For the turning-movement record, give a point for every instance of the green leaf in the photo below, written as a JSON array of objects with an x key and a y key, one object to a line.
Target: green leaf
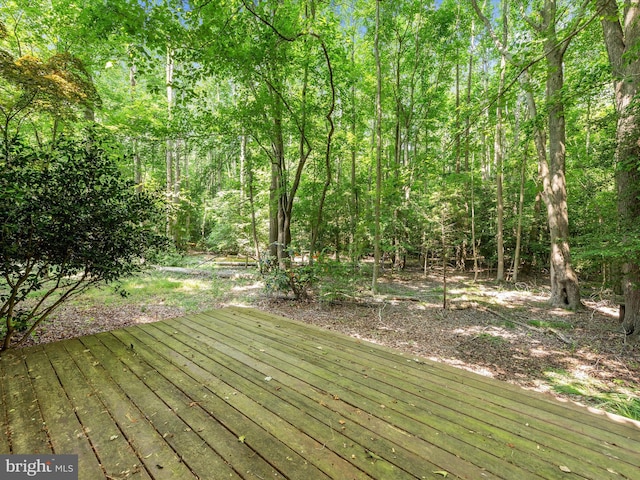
[{"x": 372, "y": 455}]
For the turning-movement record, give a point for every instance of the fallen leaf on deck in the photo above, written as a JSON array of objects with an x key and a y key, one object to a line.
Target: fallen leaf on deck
[
  {"x": 370, "y": 454},
  {"x": 241, "y": 438},
  {"x": 441, "y": 472},
  {"x": 565, "y": 469}
]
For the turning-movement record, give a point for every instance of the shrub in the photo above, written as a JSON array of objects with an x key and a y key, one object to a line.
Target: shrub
[{"x": 68, "y": 220}]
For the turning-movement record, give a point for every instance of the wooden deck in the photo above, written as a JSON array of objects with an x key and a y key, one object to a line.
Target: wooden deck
[{"x": 237, "y": 393}]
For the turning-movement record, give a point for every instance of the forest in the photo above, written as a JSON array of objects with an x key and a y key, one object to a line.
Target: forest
[{"x": 498, "y": 136}]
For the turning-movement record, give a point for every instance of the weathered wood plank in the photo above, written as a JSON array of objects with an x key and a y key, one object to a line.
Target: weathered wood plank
[
  {"x": 224, "y": 383},
  {"x": 183, "y": 439},
  {"x": 363, "y": 391},
  {"x": 363, "y": 431},
  {"x": 237, "y": 393},
  {"x": 518, "y": 423},
  {"x": 65, "y": 431},
  {"x": 556, "y": 446},
  {"x": 425, "y": 369},
  {"x": 212, "y": 436},
  {"x": 227, "y": 430},
  {"x": 26, "y": 425},
  {"x": 309, "y": 417},
  {"x": 160, "y": 461},
  {"x": 178, "y": 391},
  {"x": 114, "y": 453}
]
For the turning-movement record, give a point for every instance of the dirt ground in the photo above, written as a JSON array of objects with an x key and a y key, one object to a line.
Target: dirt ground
[{"x": 504, "y": 331}]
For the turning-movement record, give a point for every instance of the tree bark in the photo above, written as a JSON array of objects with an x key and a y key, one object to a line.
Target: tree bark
[
  {"x": 169, "y": 144},
  {"x": 377, "y": 232},
  {"x": 327, "y": 154},
  {"x": 622, "y": 36},
  {"x": 516, "y": 258},
  {"x": 564, "y": 281},
  {"x": 565, "y": 291},
  {"x": 499, "y": 149}
]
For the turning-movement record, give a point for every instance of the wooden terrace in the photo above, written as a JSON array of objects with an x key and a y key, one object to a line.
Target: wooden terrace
[{"x": 238, "y": 393}]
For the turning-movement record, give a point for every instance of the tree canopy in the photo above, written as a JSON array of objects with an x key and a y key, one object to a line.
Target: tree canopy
[{"x": 458, "y": 134}]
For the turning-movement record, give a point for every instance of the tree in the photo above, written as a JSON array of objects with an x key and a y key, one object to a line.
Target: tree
[
  {"x": 621, "y": 28},
  {"x": 565, "y": 291},
  {"x": 30, "y": 86},
  {"x": 69, "y": 220},
  {"x": 378, "y": 136}
]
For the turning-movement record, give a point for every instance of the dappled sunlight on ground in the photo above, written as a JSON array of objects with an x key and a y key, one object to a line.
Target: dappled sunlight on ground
[
  {"x": 194, "y": 285},
  {"x": 248, "y": 288}
]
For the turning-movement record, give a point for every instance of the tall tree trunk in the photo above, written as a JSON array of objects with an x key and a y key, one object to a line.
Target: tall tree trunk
[
  {"x": 622, "y": 39},
  {"x": 474, "y": 245},
  {"x": 467, "y": 119},
  {"x": 516, "y": 257},
  {"x": 354, "y": 211},
  {"x": 277, "y": 188},
  {"x": 397, "y": 155},
  {"x": 564, "y": 281},
  {"x": 327, "y": 154},
  {"x": 254, "y": 223},
  {"x": 378, "y": 193},
  {"x": 169, "y": 144},
  {"x": 499, "y": 151}
]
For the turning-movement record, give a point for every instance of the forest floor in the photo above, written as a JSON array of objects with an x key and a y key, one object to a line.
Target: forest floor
[{"x": 504, "y": 331}]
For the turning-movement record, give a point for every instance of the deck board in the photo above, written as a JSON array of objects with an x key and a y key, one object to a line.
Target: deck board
[{"x": 239, "y": 393}]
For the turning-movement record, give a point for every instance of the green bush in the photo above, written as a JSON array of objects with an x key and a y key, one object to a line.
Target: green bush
[
  {"x": 68, "y": 220},
  {"x": 292, "y": 279}
]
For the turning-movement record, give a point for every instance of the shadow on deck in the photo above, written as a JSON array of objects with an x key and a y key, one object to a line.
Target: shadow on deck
[{"x": 238, "y": 393}]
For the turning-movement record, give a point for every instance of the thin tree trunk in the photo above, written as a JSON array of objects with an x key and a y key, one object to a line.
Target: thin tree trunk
[
  {"x": 243, "y": 162},
  {"x": 467, "y": 128},
  {"x": 354, "y": 204},
  {"x": 169, "y": 144},
  {"x": 254, "y": 223},
  {"x": 327, "y": 156},
  {"x": 499, "y": 156},
  {"x": 473, "y": 223},
  {"x": 378, "y": 193},
  {"x": 516, "y": 258}
]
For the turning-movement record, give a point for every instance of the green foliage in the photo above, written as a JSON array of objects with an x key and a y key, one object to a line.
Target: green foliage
[
  {"x": 294, "y": 279},
  {"x": 621, "y": 404},
  {"x": 69, "y": 220},
  {"x": 339, "y": 281},
  {"x": 225, "y": 227},
  {"x": 620, "y": 401},
  {"x": 251, "y": 96},
  {"x": 560, "y": 325},
  {"x": 30, "y": 85}
]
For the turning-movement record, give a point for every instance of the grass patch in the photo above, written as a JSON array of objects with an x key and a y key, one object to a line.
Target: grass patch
[
  {"x": 492, "y": 339},
  {"x": 621, "y": 404},
  {"x": 189, "y": 293},
  {"x": 596, "y": 393},
  {"x": 557, "y": 324}
]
